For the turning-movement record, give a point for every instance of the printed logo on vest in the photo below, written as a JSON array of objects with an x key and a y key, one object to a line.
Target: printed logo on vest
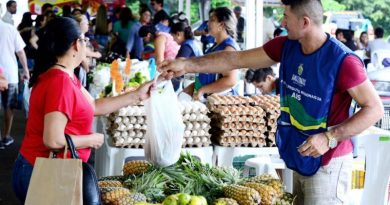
[{"x": 297, "y": 79}]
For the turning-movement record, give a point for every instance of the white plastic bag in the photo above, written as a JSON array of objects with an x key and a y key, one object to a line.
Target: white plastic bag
[
  {"x": 26, "y": 98},
  {"x": 165, "y": 132}
]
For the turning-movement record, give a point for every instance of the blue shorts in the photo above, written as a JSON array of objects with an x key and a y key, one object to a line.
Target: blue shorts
[{"x": 9, "y": 97}]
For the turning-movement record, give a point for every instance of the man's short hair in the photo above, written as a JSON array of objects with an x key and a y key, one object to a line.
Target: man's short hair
[
  {"x": 46, "y": 6},
  {"x": 310, "y": 8},
  {"x": 379, "y": 32},
  {"x": 9, "y": 3},
  {"x": 159, "y": 2}
]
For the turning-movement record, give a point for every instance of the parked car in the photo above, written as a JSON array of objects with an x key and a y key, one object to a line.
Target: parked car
[{"x": 349, "y": 20}]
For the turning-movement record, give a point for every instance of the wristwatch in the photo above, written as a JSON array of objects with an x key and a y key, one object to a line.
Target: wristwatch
[{"x": 332, "y": 142}]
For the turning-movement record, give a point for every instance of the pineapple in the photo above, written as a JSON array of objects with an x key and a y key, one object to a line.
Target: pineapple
[
  {"x": 136, "y": 167},
  {"x": 286, "y": 199},
  {"x": 267, "y": 193},
  {"x": 262, "y": 177},
  {"x": 243, "y": 195},
  {"x": 115, "y": 178},
  {"x": 110, "y": 194},
  {"x": 277, "y": 185},
  {"x": 110, "y": 183},
  {"x": 130, "y": 199},
  {"x": 225, "y": 201}
]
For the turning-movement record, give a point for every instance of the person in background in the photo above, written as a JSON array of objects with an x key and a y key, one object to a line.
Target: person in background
[
  {"x": 122, "y": 27},
  {"x": 40, "y": 18},
  {"x": 349, "y": 42},
  {"x": 240, "y": 24},
  {"x": 222, "y": 26},
  {"x": 378, "y": 43},
  {"x": 206, "y": 39},
  {"x": 37, "y": 31},
  {"x": 340, "y": 35},
  {"x": 362, "y": 44},
  {"x": 183, "y": 35},
  {"x": 162, "y": 19},
  {"x": 11, "y": 43},
  {"x": 83, "y": 69},
  {"x": 263, "y": 79},
  {"x": 66, "y": 11},
  {"x": 25, "y": 29},
  {"x": 68, "y": 107},
  {"x": 319, "y": 76},
  {"x": 76, "y": 11},
  {"x": 158, "y": 7},
  {"x": 135, "y": 44},
  {"x": 165, "y": 48},
  {"x": 11, "y": 10},
  {"x": 101, "y": 28}
]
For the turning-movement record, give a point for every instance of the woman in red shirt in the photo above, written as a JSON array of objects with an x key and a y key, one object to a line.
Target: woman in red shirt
[{"x": 59, "y": 104}]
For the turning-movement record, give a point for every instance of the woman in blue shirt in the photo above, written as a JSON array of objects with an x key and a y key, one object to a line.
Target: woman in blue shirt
[
  {"x": 183, "y": 35},
  {"x": 222, "y": 26}
]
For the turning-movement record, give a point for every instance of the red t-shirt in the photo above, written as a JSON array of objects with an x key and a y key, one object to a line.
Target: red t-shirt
[
  {"x": 351, "y": 74},
  {"x": 56, "y": 91}
]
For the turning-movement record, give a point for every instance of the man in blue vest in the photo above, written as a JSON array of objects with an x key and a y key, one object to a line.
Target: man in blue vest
[{"x": 319, "y": 77}]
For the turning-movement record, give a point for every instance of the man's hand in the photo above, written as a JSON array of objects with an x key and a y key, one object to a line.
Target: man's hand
[
  {"x": 3, "y": 83},
  {"x": 315, "y": 146},
  {"x": 26, "y": 74},
  {"x": 172, "y": 68}
]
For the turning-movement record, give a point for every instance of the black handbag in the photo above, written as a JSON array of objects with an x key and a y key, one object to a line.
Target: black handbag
[{"x": 91, "y": 193}]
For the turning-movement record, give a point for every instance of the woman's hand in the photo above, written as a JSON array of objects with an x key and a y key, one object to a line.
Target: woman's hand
[
  {"x": 96, "y": 140},
  {"x": 143, "y": 92}
]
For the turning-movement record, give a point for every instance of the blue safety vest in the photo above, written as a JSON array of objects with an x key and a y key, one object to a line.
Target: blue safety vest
[
  {"x": 203, "y": 79},
  {"x": 195, "y": 48},
  {"x": 307, "y": 83}
]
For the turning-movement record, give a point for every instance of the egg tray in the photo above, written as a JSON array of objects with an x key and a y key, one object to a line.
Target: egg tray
[{"x": 229, "y": 100}]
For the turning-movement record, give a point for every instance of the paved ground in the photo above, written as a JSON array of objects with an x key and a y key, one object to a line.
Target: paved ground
[{"x": 7, "y": 157}]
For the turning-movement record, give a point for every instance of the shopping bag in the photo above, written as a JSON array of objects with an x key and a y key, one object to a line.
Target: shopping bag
[
  {"x": 26, "y": 98},
  {"x": 164, "y": 135},
  {"x": 55, "y": 181}
]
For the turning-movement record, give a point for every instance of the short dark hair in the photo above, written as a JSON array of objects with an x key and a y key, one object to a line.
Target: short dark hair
[
  {"x": 57, "y": 38},
  {"x": 310, "y": 8},
  {"x": 159, "y": 2},
  {"x": 258, "y": 75},
  {"x": 277, "y": 32},
  {"x": 145, "y": 30},
  {"x": 182, "y": 27},
  {"x": 379, "y": 32},
  {"x": 46, "y": 6},
  {"x": 9, "y": 3},
  {"x": 160, "y": 16}
]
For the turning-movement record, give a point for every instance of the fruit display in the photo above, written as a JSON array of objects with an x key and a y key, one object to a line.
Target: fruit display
[
  {"x": 271, "y": 105},
  {"x": 189, "y": 182},
  {"x": 197, "y": 124},
  {"x": 236, "y": 122},
  {"x": 127, "y": 126}
]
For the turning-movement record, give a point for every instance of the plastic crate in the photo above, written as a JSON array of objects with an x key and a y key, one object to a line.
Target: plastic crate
[
  {"x": 239, "y": 163},
  {"x": 384, "y": 123}
]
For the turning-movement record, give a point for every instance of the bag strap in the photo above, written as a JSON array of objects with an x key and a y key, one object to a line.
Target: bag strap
[{"x": 72, "y": 148}]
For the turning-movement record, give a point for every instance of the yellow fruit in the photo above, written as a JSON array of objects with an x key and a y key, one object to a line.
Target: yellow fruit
[
  {"x": 277, "y": 185},
  {"x": 109, "y": 183},
  {"x": 111, "y": 194},
  {"x": 225, "y": 201},
  {"x": 195, "y": 200},
  {"x": 183, "y": 198},
  {"x": 131, "y": 199},
  {"x": 267, "y": 193},
  {"x": 136, "y": 167},
  {"x": 170, "y": 200},
  {"x": 243, "y": 195}
]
